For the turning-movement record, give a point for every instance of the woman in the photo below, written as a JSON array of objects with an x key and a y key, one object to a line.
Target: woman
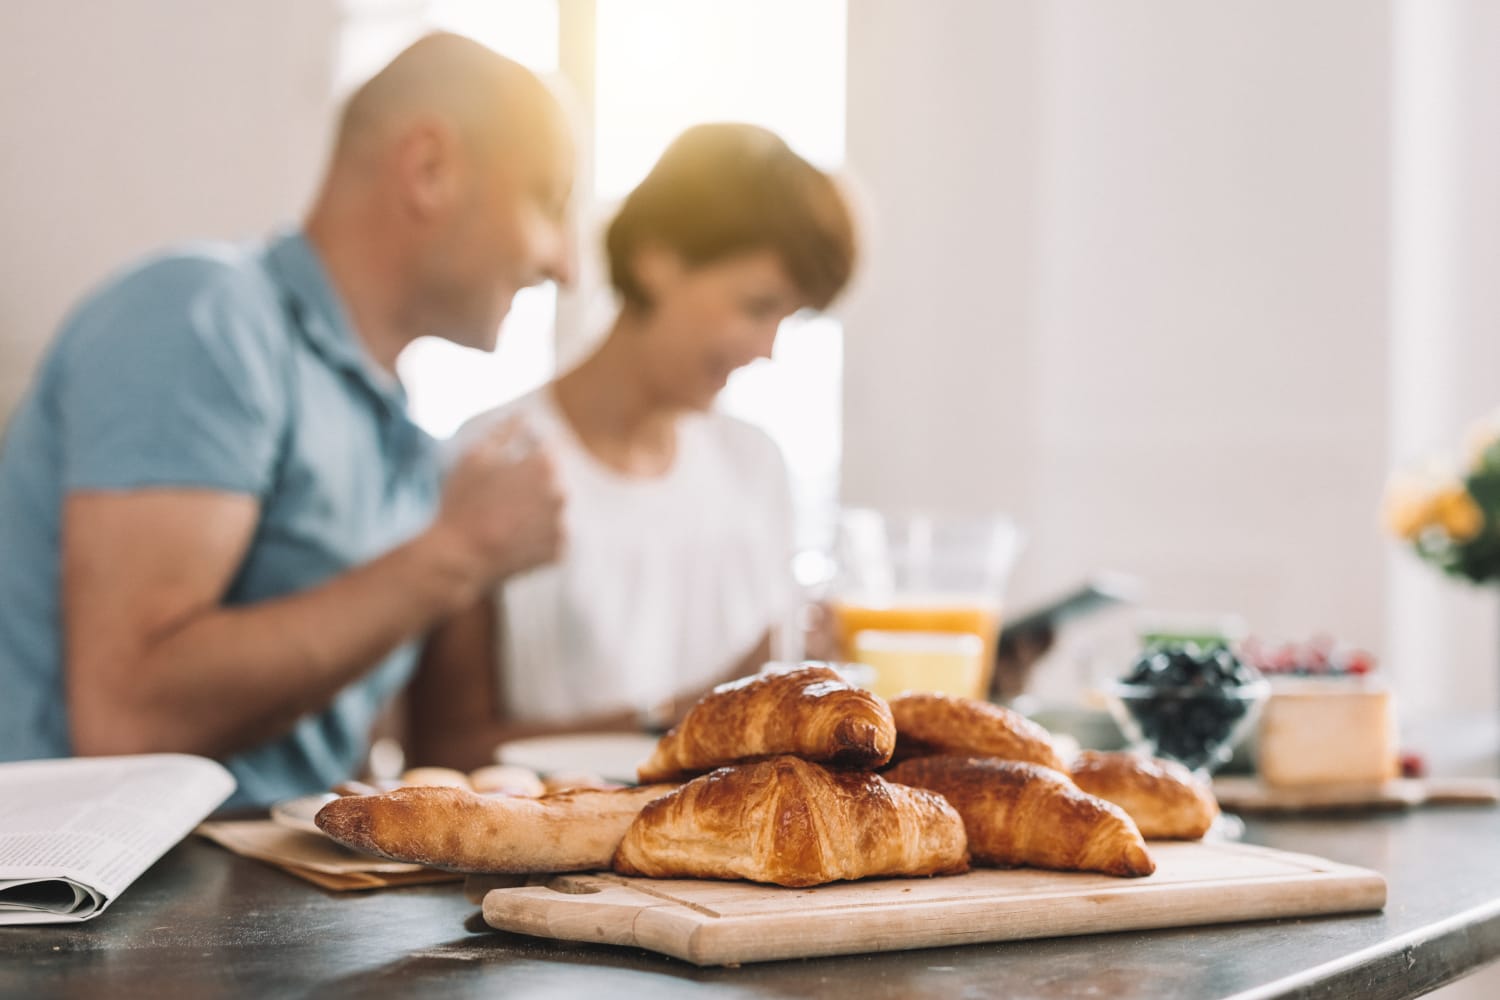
[{"x": 677, "y": 561}]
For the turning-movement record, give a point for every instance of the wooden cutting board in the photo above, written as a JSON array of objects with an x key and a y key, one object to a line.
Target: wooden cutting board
[
  {"x": 726, "y": 923},
  {"x": 1250, "y": 795}
]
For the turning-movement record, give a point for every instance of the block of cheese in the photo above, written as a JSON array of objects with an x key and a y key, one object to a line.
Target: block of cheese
[{"x": 1327, "y": 732}]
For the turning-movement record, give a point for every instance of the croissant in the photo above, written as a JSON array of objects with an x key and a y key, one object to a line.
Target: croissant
[
  {"x": 793, "y": 823},
  {"x": 1162, "y": 796},
  {"x": 461, "y": 831},
  {"x": 931, "y": 723},
  {"x": 810, "y": 712},
  {"x": 1022, "y": 814}
]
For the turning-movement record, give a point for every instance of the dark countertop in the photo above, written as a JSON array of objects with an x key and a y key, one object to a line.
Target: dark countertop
[{"x": 204, "y": 922}]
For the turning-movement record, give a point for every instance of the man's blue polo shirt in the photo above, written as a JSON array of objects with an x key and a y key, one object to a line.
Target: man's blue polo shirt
[{"x": 230, "y": 368}]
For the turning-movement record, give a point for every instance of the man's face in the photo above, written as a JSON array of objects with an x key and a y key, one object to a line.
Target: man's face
[
  {"x": 508, "y": 231},
  {"x": 707, "y": 322}
]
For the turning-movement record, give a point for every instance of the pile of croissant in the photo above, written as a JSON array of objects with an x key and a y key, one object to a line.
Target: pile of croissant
[{"x": 774, "y": 779}]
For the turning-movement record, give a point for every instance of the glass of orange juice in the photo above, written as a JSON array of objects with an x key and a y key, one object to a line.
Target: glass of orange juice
[
  {"x": 924, "y": 575},
  {"x": 951, "y": 662}
]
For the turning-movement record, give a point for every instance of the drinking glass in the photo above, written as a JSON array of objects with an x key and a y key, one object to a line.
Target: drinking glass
[{"x": 905, "y": 585}]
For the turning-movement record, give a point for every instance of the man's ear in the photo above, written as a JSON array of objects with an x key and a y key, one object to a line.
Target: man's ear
[{"x": 428, "y": 165}]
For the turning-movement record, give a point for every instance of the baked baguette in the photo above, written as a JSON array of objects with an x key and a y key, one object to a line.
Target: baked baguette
[
  {"x": 932, "y": 723},
  {"x": 1162, "y": 796},
  {"x": 811, "y": 712},
  {"x": 1023, "y": 814},
  {"x": 790, "y": 822},
  {"x": 464, "y": 832}
]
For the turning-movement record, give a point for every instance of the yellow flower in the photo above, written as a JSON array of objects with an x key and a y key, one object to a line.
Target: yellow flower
[
  {"x": 1406, "y": 516},
  {"x": 1458, "y": 514},
  {"x": 1415, "y": 506},
  {"x": 1409, "y": 506}
]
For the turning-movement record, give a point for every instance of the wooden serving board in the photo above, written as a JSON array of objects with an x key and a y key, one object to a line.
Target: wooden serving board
[
  {"x": 726, "y": 923},
  {"x": 1249, "y": 794}
]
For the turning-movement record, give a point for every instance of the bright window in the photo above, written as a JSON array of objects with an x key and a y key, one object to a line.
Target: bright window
[
  {"x": 663, "y": 65},
  {"x": 447, "y": 384},
  {"x": 524, "y": 30}
]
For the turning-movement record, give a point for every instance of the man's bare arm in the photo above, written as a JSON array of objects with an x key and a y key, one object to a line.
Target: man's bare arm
[{"x": 155, "y": 662}]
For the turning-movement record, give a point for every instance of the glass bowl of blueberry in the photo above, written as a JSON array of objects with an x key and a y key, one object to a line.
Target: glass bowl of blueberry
[{"x": 1188, "y": 702}]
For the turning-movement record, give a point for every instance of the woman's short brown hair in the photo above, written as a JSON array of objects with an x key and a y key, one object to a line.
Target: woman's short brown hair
[{"x": 725, "y": 189}]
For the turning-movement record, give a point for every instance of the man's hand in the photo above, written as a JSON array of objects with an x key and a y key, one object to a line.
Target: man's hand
[{"x": 502, "y": 504}]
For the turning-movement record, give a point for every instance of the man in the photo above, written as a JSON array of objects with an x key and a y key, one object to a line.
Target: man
[{"x": 219, "y": 531}]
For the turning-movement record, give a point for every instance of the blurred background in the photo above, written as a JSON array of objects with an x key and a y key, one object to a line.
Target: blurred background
[{"x": 1178, "y": 285}]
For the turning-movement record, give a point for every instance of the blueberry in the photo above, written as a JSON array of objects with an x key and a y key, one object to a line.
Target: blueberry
[
  {"x": 1242, "y": 674},
  {"x": 1192, "y": 712},
  {"x": 1149, "y": 669},
  {"x": 1225, "y": 666},
  {"x": 1181, "y": 671}
]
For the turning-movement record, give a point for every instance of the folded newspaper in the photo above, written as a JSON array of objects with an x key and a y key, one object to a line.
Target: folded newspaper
[{"x": 74, "y": 833}]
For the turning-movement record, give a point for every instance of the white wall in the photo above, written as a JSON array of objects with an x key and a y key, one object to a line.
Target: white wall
[
  {"x": 1133, "y": 282},
  {"x": 1214, "y": 308},
  {"x": 131, "y": 125},
  {"x": 943, "y": 136}
]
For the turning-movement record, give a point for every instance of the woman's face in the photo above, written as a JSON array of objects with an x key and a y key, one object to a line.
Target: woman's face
[{"x": 708, "y": 321}]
